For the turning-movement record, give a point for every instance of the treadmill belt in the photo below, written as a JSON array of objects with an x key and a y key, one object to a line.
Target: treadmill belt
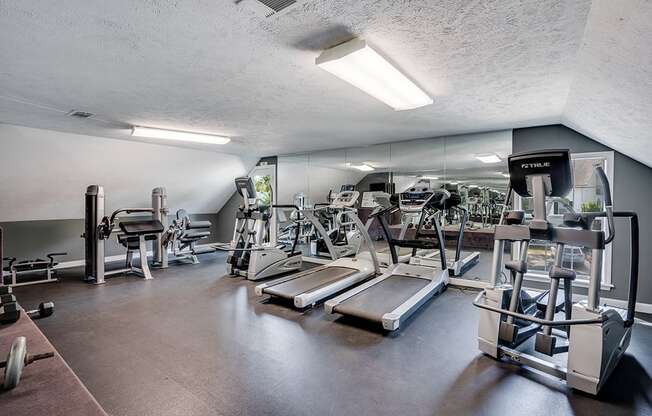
[
  {"x": 309, "y": 282},
  {"x": 381, "y": 298}
]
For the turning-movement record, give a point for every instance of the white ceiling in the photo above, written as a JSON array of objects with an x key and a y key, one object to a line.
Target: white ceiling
[
  {"x": 217, "y": 66},
  {"x": 610, "y": 98}
]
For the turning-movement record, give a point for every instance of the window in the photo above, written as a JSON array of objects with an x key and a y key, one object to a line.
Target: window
[{"x": 586, "y": 196}]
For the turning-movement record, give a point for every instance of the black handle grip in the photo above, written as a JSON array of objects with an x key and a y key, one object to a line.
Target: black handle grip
[{"x": 604, "y": 182}]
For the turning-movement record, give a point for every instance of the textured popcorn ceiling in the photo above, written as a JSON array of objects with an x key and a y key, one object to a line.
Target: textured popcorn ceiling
[
  {"x": 610, "y": 98},
  {"x": 220, "y": 67}
]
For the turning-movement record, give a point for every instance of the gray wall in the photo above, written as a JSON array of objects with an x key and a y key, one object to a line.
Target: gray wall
[
  {"x": 631, "y": 191},
  {"x": 225, "y": 219},
  {"x": 32, "y": 239}
]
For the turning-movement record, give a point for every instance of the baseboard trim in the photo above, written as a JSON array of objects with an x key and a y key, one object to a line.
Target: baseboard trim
[
  {"x": 109, "y": 259},
  {"x": 640, "y": 306}
]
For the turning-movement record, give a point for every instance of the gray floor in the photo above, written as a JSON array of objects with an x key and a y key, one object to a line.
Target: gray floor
[{"x": 192, "y": 342}]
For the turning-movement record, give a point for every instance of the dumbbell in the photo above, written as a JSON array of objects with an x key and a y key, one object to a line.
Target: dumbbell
[
  {"x": 17, "y": 360},
  {"x": 10, "y": 312}
]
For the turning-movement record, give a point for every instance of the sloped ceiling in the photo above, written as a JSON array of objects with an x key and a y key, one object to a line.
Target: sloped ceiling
[
  {"x": 218, "y": 66},
  {"x": 610, "y": 98}
]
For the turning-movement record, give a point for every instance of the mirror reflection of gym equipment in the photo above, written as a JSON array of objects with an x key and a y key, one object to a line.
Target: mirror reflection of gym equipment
[{"x": 309, "y": 207}]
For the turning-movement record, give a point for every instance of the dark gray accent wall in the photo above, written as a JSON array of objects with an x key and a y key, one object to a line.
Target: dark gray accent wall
[
  {"x": 631, "y": 191},
  {"x": 225, "y": 219},
  {"x": 32, "y": 239}
]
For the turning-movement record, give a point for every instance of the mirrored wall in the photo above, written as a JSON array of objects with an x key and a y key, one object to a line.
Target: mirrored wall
[{"x": 473, "y": 166}]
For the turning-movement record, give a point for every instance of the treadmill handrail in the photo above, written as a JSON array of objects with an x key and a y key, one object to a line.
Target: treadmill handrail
[
  {"x": 434, "y": 214},
  {"x": 295, "y": 241},
  {"x": 389, "y": 210},
  {"x": 309, "y": 215},
  {"x": 367, "y": 238},
  {"x": 460, "y": 235}
]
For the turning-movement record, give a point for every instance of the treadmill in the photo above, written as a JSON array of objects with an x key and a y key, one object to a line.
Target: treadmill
[
  {"x": 391, "y": 298},
  {"x": 306, "y": 288},
  {"x": 463, "y": 261},
  {"x": 383, "y": 201}
]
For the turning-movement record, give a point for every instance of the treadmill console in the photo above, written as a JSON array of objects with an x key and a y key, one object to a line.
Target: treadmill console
[
  {"x": 345, "y": 199},
  {"x": 415, "y": 199}
]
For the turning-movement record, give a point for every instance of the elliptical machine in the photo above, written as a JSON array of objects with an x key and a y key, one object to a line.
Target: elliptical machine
[
  {"x": 341, "y": 231},
  {"x": 251, "y": 255},
  {"x": 594, "y": 336}
]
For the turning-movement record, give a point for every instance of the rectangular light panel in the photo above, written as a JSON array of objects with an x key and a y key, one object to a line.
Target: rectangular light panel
[
  {"x": 358, "y": 64},
  {"x": 183, "y": 136},
  {"x": 488, "y": 158},
  {"x": 363, "y": 167}
]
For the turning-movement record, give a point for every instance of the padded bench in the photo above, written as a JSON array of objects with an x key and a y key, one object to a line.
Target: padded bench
[{"x": 135, "y": 235}]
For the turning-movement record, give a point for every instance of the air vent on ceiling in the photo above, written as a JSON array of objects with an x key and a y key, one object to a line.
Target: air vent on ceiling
[
  {"x": 268, "y": 8},
  {"x": 80, "y": 114}
]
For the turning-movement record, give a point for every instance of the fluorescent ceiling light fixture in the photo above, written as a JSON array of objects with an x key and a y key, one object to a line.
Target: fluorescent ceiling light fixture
[
  {"x": 358, "y": 64},
  {"x": 488, "y": 158},
  {"x": 184, "y": 136},
  {"x": 363, "y": 167},
  {"x": 434, "y": 178},
  {"x": 453, "y": 183}
]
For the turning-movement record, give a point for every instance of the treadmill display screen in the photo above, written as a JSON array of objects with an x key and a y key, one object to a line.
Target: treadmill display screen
[{"x": 415, "y": 199}]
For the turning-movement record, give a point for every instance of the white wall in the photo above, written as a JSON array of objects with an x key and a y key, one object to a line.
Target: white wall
[{"x": 45, "y": 174}]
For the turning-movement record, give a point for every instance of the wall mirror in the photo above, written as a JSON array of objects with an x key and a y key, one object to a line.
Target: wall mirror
[{"x": 478, "y": 180}]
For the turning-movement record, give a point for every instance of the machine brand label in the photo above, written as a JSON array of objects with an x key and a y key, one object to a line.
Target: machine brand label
[{"x": 535, "y": 165}]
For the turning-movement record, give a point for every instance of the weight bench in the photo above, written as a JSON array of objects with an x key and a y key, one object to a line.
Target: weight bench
[
  {"x": 14, "y": 268},
  {"x": 183, "y": 234},
  {"x": 134, "y": 237}
]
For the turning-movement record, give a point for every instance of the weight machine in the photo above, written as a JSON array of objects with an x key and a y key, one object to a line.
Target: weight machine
[{"x": 135, "y": 233}]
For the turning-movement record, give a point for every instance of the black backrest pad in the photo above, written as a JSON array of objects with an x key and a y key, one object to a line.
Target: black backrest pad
[
  {"x": 555, "y": 163},
  {"x": 141, "y": 227}
]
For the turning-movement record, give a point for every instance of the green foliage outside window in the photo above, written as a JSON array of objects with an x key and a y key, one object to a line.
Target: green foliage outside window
[
  {"x": 591, "y": 206},
  {"x": 264, "y": 189}
]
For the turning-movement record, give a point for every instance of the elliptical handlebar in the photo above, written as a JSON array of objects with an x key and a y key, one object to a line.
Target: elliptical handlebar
[{"x": 606, "y": 189}]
